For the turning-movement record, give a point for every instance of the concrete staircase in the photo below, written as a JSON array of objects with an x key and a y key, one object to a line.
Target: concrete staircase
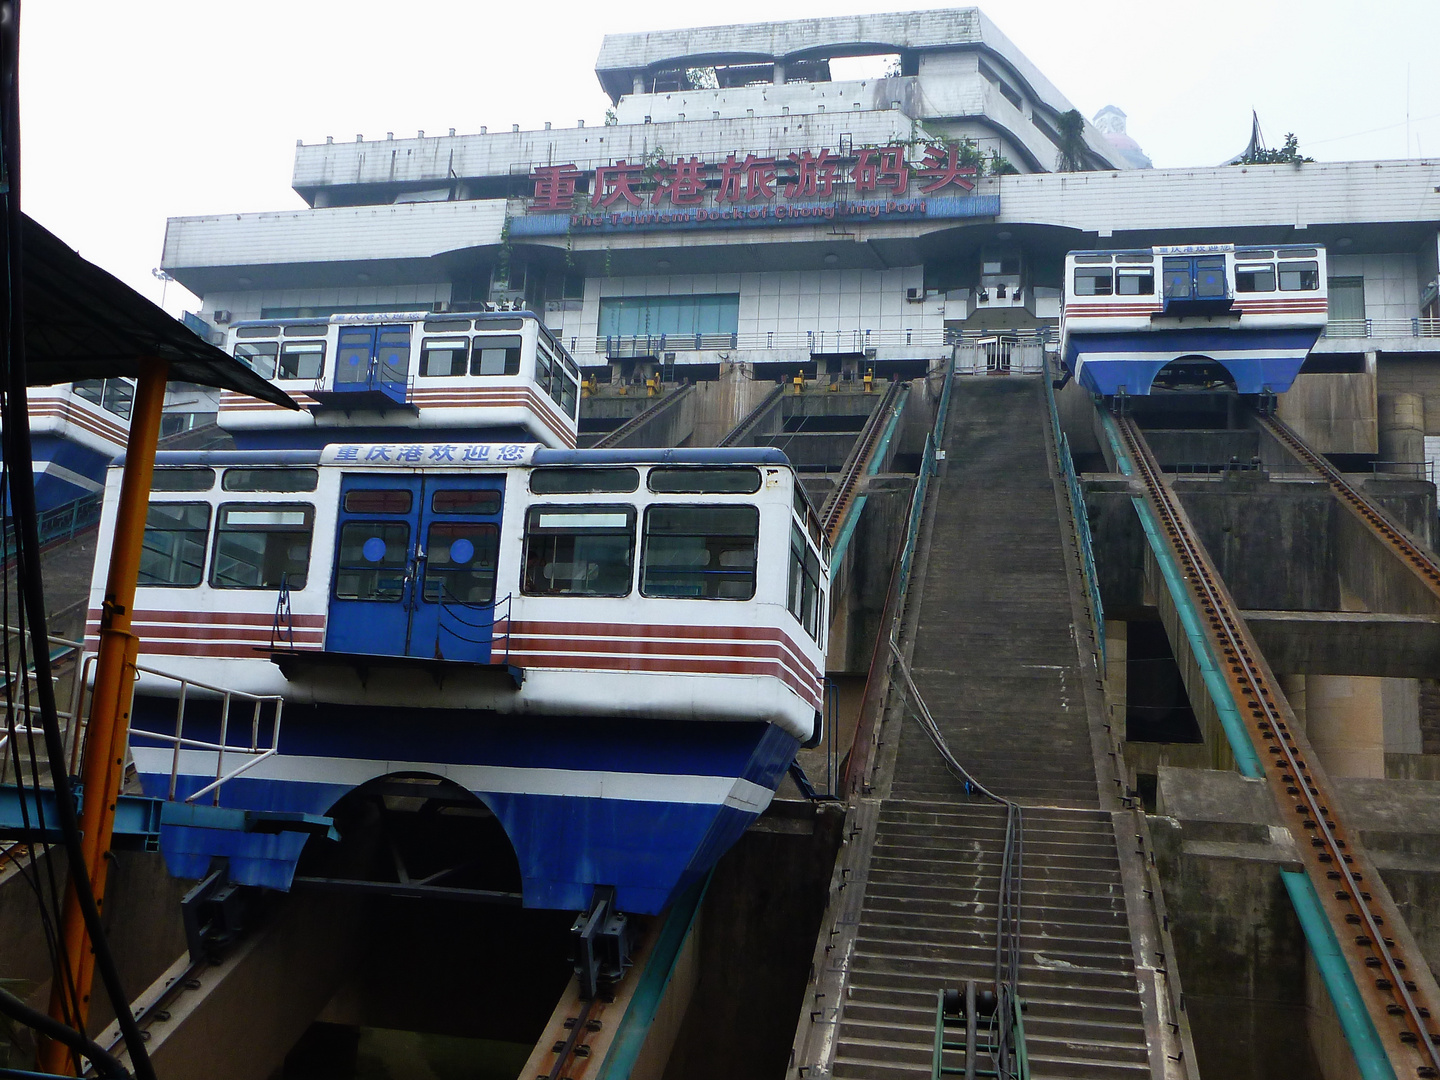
[{"x": 996, "y": 659}]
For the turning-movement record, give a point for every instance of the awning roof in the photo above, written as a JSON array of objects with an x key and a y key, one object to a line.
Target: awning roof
[{"x": 83, "y": 323}]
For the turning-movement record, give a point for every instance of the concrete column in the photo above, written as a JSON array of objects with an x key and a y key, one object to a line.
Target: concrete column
[
  {"x": 638, "y": 82},
  {"x": 779, "y": 72},
  {"x": 1402, "y": 427},
  {"x": 1345, "y": 720},
  {"x": 1293, "y": 687}
]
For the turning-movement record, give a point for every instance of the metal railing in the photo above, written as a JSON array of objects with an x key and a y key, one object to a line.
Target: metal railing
[
  {"x": 255, "y": 750},
  {"x": 999, "y": 356},
  {"x": 14, "y": 684},
  {"x": 61, "y": 522},
  {"x": 818, "y": 342},
  {"x": 1382, "y": 328},
  {"x": 1079, "y": 516}
]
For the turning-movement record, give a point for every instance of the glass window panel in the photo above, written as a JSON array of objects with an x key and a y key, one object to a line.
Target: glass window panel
[
  {"x": 797, "y": 569},
  {"x": 1298, "y": 253},
  {"x": 1135, "y": 282},
  {"x": 566, "y": 481},
  {"x": 1255, "y": 278},
  {"x": 1299, "y": 276},
  {"x": 259, "y": 356},
  {"x": 441, "y": 358},
  {"x": 447, "y": 325},
  {"x": 257, "y": 331},
  {"x": 90, "y": 389},
  {"x": 270, "y": 479},
  {"x": 1251, "y": 254},
  {"x": 379, "y": 501},
  {"x": 741, "y": 481},
  {"x": 496, "y": 355},
  {"x": 466, "y": 501},
  {"x": 119, "y": 396},
  {"x": 1092, "y": 282},
  {"x": 655, "y": 315},
  {"x": 1346, "y": 298},
  {"x": 302, "y": 359},
  {"x": 187, "y": 478},
  {"x": 372, "y": 560},
  {"x": 460, "y": 562},
  {"x": 1082, "y": 259},
  {"x": 579, "y": 551},
  {"x": 700, "y": 552},
  {"x": 262, "y": 545},
  {"x": 317, "y": 330},
  {"x": 173, "y": 549}
]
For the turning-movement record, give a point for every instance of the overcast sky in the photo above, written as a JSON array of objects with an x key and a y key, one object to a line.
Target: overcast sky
[{"x": 135, "y": 112}]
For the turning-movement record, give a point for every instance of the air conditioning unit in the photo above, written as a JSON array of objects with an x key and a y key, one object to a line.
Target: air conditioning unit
[
  {"x": 913, "y": 295},
  {"x": 439, "y": 306},
  {"x": 220, "y": 317}
]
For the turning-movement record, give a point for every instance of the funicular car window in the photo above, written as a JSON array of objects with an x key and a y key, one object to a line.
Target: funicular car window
[
  {"x": 1299, "y": 276},
  {"x": 465, "y": 501},
  {"x": 182, "y": 478},
  {"x": 562, "y": 480},
  {"x": 173, "y": 549},
  {"x": 259, "y": 356},
  {"x": 443, "y": 357},
  {"x": 700, "y": 552},
  {"x": 804, "y": 598},
  {"x": 270, "y": 479},
  {"x": 460, "y": 562},
  {"x": 1135, "y": 281},
  {"x": 262, "y": 545},
  {"x": 302, "y": 360},
  {"x": 579, "y": 550},
  {"x": 1093, "y": 281},
  {"x": 1255, "y": 277},
  {"x": 493, "y": 355},
  {"x": 372, "y": 559},
  {"x": 737, "y": 481},
  {"x": 379, "y": 501}
]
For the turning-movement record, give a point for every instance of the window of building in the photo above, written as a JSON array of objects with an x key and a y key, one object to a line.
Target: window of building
[
  {"x": 1346, "y": 298},
  {"x": 628, "y": 316},
  {"x": 741, "y": 481},
  {"x": 1254, "y": 277},
  {"x": 372, "y": 559},
  {"x": 460, "y": 562},
  {"x": 262, "y": 545},
  {"x": 443, "y": 357},
  {"x": 302, "y": 360},
  {"x": 804, "y": 599},
  {"x": 173, "y": 549},
  {"x": 1299, "y": 276},
  {"x": 270, "y": 479},
  {"x": 1135, "y": 281},
  {"x": 579, "y": 550},
  {"x": 496, "y": 355},
  {"x": 182, "y": 478},
  {"x": 567, "y": 481},
  {"x": 700, "y": 552},
  {"x": 1093, "y": 281},
  {"x": 258, "y": 356}
]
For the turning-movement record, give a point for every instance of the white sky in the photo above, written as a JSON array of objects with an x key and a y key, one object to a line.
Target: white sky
[{"x": 135, "y": 112}]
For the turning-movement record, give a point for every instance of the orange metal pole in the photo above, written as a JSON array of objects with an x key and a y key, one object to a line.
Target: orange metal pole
[{"x": 108, "y": 731}]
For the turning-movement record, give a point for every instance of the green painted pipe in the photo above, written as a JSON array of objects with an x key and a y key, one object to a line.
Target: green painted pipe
[
  {"x": 654, "y": 981},
  {"x": 1246, "y": 760},
  {"x": 1354, "y": 1018}
]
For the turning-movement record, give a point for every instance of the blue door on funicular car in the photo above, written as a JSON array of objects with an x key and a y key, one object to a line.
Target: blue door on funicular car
[
  {"x": 374, "y": 358},
  {"x": 415, "y": 567}
]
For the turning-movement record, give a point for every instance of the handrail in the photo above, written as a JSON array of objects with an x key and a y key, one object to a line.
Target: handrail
[
  {"x": 66, "y": 716},
  {"x": 1079, "y": 517}
]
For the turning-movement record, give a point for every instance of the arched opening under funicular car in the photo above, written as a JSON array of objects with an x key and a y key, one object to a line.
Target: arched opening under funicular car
[
  {"x": 416, "y": 834},
  {"x": 1192, "y": 374}
]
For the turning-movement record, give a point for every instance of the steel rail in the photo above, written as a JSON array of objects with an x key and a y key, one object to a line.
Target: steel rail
[
  {"x": 1419, "y": 560},
  {"x": 832, "y": 516},
  {"x": 1320, "y": 836}
]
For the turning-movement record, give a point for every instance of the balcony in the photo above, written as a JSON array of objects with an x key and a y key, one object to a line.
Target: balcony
[
  {"x": 1383, "y": 328},
  {"x": 814, "y": 342}
]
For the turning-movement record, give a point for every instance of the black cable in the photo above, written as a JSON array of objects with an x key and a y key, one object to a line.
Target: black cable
[
  {"x": 106, "y": 1064},
  {"x": 19, "y": 460}
]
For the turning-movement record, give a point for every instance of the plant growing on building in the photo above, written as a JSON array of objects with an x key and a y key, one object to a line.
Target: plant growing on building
[
  {"x": 1071, "y": 126},
  {"x": 999, "y": 165},
  {"x": 1289, "y": 154},
  {"x": 610, "y": 118},
  {"x": 701, "y": 79}
]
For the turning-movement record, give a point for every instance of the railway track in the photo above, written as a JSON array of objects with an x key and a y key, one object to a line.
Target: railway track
[
  {"x": 1419, "y": 560},
  {"x": 832, "y": 516},
  {"x": 1354, "y": 899}
]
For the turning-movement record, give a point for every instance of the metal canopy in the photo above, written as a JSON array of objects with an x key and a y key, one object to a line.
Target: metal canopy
[{"x": 83, "y": 323}]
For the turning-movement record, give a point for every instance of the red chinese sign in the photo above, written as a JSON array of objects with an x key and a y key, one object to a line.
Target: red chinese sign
[{"x": 882, "y": 171}]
